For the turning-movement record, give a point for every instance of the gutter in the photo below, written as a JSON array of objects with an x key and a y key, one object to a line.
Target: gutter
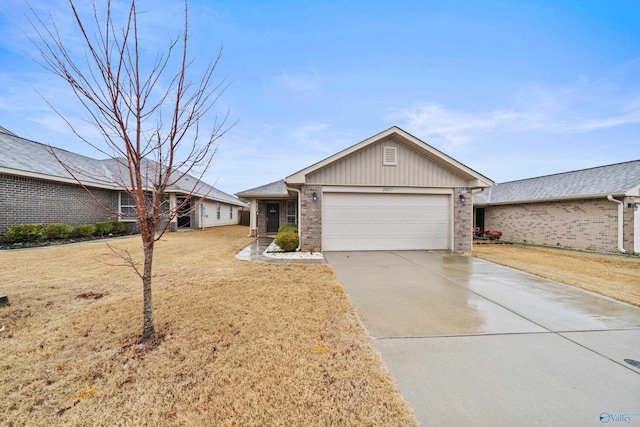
[{"x": 620, "y": 223}]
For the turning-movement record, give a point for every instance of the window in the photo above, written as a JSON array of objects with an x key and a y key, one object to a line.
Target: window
[
  {"x": 390, "y": 156},
  {"x": 291, "y": 212},
  {"x": 230, "y": 212},
  {"x": 218, "y": 210},
  {"x": 127, "y": 206}
]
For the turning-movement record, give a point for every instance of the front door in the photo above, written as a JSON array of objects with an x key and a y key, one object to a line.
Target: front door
[
  {"x": 184, "y": 214},
  {"x": 273, "y": 217}
]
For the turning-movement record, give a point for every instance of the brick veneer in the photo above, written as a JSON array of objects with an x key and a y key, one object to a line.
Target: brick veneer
[
  {"x": 25, "y": 200},
  {"x": 462, "y": 220},
  {"x": 311, "y": 218},
  {"x": 583, "y": 224}
]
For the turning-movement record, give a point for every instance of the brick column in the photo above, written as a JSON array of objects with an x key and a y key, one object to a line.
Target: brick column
[
  {"x": 311, "y": 218},
  {"x": 462, "y": 220}
]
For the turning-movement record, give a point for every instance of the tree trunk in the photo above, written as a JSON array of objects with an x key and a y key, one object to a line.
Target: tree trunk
[{"x": 148, "y": 331}]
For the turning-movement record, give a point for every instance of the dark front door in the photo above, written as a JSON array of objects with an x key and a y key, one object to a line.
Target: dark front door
[
  {"x": 184, "y": 214},
  {"x": 273, "y": 217},
  {"x": 480, "y": 218}
]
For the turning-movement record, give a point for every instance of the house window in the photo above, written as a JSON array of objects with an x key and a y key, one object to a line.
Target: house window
[
  {"x": 390, "y": 156},
  {"x": 127, "y": 206},
  {"x": 291, "y": 212},
  {"x": 230, "y": 212},
  {"x": 218, "y": 210}
]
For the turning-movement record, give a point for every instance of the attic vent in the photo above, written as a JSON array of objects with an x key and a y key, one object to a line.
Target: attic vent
[{"x": 390, "y": 156}]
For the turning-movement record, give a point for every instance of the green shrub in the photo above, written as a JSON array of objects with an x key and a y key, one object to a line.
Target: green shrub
[
  {"x": 58, "y": 231},
  {"x": 117, "y": 227},
  {"x": 85, "y": 230},
  {"x": 287, "y": 240},
  {"x": 104, "y": 228},
  {"x": 25, "y": 233},
  {"x": 289, "y": 226}
]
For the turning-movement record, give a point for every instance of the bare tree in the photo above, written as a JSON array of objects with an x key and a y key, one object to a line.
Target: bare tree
[{"x": 150, "y": 115}]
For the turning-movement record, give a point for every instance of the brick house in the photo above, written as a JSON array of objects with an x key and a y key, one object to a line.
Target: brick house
[
  {"x": 36, "y": 189},
  {"x": 594, "y": 209},
  {"x": 389, "y": 192}
]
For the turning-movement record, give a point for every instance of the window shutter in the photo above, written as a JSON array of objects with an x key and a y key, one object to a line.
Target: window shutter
[{"x": 390, "y": 156}]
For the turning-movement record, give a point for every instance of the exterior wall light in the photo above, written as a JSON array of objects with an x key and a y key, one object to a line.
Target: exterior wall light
[
  {"x": 314, "y": 196},
  {"x": 462, "y": 198}
]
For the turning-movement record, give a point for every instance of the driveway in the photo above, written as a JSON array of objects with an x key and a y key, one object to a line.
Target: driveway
[{"x": 474, "y": 343}]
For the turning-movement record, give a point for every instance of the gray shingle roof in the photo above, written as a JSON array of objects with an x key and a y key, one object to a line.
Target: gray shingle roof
[
  {"x": 22, "y": 156},
  {"x": 273, "y": 189},
  {"x": 616, "y": 179}
]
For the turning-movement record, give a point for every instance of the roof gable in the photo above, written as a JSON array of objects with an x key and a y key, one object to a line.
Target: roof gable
[
  {"x": 618, "y": 180},
  {"x": 465, "y": 175}
]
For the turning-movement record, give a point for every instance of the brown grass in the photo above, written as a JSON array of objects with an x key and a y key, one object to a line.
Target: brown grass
[
  {"x": 614, "y": 276},
  {"x": 245, "y": 344}
]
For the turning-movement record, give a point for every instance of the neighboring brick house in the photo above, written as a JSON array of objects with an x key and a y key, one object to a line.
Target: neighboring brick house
[
  {"x": 594, "y": 209},
  {"x": 36, "y": 188},
  {"x": 389, "y": 192}
]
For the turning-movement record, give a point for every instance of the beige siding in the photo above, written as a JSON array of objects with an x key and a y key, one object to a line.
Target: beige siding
[{"x": 365, "y": 168}]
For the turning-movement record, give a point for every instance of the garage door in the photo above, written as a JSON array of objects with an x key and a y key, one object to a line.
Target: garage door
[{"x": 356, "y": 222}]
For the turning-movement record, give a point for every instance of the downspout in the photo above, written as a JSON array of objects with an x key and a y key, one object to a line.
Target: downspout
[
  {"x": 620, "y": 223},
  {"x": 299, "y": 217}
]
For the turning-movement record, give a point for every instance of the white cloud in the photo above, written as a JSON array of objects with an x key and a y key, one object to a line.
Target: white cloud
[{"x": 299, "y": 82}]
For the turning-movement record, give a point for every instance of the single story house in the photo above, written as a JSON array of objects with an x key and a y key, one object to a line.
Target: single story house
[
  {"x": 594, "y": 209},
  {"x": 36, "y": 189},
  {"x": 389, "y": 192}
]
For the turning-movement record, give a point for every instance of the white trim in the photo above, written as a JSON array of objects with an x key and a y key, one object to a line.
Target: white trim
[
  {"x": 386, "y": 190},
  {"x": 53, "y": 178}
]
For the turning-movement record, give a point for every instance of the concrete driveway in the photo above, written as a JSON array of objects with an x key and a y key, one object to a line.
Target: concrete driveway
[{"x": 472, "y": 343}]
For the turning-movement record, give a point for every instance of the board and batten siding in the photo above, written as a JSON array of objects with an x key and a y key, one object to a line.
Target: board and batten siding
[
  {"x": 365, "y": 168},
  {"x": 211, "y": 215}
]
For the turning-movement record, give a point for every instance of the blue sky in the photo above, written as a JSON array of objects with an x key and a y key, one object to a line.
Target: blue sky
[{"x": 512, "y": 89}]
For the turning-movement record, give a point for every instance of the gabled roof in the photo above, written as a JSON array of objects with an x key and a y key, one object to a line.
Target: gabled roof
[
  {"x": 276, "y": 189},
  {"x": 617, "y": 180},
  {"x": 476, "y": 180},
  {"x": 19, "y": 156}
]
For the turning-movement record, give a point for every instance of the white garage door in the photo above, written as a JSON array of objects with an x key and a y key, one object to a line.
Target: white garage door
[{"x": 360, "y": 222}]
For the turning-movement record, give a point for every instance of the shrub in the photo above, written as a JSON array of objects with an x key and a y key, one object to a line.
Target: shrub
[
  {"x": 117, "y": 227},
  {"x": 104, "y": 228},
  {"x": 58, "y": 231},
  {"x": 25, "y": 233},
  {"x": 85, "y": 230},
  {"x": 290, "y": 226},
  {"x": 493, "y": 234},
  {"x": 287, "y": 240}
]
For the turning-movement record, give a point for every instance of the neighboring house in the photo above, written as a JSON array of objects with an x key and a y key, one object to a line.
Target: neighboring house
[
  {"x": 36, "y": 188},
  {"x": 595, "y": 209},
  {"x": 389, "y": 192}
]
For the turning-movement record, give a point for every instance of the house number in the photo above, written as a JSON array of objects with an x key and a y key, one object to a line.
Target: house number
[{"x": 387, "y": 189}]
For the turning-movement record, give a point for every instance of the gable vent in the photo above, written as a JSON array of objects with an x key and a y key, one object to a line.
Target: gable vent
[{"x": 390, "y": 156}]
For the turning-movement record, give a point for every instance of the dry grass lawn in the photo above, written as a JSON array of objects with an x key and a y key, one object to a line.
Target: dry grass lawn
[
  {"x": 245, "y": 344},
  {"x": 614, "y": 276}
]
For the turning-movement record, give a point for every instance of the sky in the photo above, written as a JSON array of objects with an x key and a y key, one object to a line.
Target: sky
[{"x": 512, "y": 89}]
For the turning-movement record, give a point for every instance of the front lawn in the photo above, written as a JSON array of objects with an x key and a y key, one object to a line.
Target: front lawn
[{"x": 244, "y": 343}]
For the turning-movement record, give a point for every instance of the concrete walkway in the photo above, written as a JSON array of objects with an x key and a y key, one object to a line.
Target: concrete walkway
[{"x": 472, "y": 343}]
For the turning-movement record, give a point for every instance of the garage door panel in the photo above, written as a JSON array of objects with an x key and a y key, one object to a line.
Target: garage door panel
[{"x": 356, "y": 221}]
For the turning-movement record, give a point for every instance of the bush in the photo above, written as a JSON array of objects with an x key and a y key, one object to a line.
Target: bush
[
  {"x": 287, "y": 240},
  {"x": 290, "y": 226},
  {"x": 493, "y": 234},
  {"x": 58, "y": 231},
  {"x": 85, "y": 230},
  {"x": 25, "y": 233},
  {"x": 117, "y": 227},
  {"x": 104, "y": 228}
]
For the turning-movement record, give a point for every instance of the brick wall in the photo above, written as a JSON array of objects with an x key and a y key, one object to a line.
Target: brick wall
[
  {"x": 462, "y": 220},
  {"x": 26, "y": 200},
  {"x": 583, "y": 224},
  {"x": 311, "y": 219}
]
